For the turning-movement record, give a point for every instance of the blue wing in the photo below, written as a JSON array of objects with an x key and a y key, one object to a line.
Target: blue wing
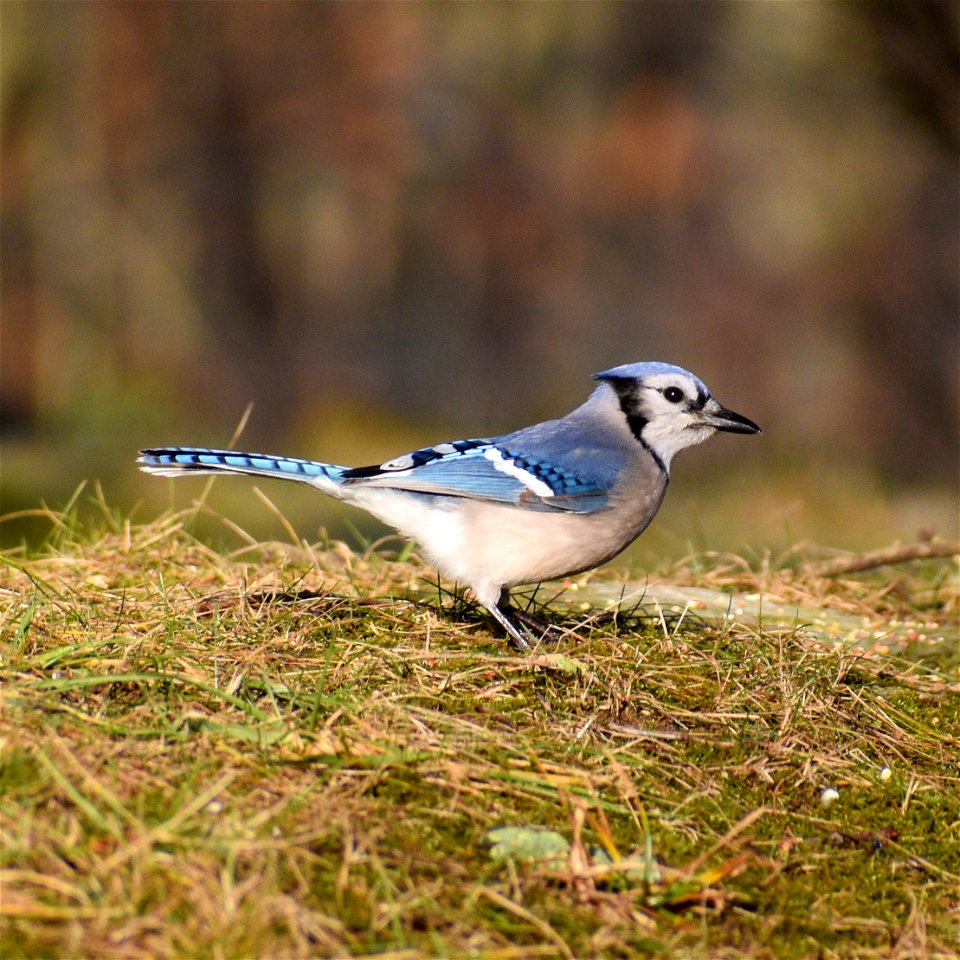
[{"x": 485, "y": 470}]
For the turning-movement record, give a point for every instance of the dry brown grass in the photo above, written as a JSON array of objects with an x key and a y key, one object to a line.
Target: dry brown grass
[{"x": 289, "y": 752}]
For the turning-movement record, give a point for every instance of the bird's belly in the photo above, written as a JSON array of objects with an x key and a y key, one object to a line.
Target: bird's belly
[
  {"x": 513, "y": 547},
  {"x": 483, "y": 543}
]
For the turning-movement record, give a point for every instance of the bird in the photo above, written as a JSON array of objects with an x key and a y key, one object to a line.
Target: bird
[{"x": 542, "y": 503}]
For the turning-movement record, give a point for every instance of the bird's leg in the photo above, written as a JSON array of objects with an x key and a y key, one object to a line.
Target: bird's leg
[
  {"x": 530, "y": 620},
  {"x": 506, "y": 614},
  {"x": 537, "y": 625},
  {"x": 517, "y": 640}
]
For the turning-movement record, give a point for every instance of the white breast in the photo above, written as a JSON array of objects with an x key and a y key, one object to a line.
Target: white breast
[{"x": 490, "y": 546}]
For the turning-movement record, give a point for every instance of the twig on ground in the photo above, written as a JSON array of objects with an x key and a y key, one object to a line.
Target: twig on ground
[{"x": 898, "y": 553}]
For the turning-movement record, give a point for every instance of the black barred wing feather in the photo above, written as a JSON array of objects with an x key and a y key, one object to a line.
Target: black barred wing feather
[{"x": 485, "y": 470}]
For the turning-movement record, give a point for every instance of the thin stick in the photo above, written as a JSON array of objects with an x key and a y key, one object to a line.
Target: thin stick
[
  {"x": 899, "y": 553},
  {"x": 537, "y": 922},
  {"x": 737, "y": 828}
]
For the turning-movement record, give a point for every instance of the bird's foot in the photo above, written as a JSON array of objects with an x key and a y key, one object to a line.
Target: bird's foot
[{"x": 540, "y": 629}]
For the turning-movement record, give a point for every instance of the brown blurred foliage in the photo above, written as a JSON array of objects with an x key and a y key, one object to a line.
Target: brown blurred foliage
[{"x": 460, "y": 211}]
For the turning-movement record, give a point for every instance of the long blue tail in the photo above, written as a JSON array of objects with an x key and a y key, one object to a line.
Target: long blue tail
[{"x": 180, "y": 461}]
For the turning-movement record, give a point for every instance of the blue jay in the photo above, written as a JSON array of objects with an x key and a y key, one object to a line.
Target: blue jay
[{"x": 541, "y": 503}]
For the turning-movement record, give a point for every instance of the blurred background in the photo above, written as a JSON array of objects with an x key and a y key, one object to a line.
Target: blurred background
[{"x": 391, "y": 224}]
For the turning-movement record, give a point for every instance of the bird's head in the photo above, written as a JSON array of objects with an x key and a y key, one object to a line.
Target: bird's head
[{"x": 668, "y": 408}]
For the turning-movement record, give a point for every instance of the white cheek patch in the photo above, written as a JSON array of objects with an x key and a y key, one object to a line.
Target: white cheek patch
[
  {"x": 666, "y": 438},
  {"x": 532, "y": 483}
]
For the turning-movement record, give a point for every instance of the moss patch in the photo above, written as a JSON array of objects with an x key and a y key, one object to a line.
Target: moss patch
[{"x": 291, "y": 751}]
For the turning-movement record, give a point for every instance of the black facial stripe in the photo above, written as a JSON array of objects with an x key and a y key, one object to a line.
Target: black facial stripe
[
  {"x": 636, "y": 425},
  {"x": 627, "y": 394},
  {"x": 626, "y": 390}
]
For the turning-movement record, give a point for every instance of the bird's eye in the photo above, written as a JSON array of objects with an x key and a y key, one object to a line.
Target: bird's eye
[{"x": 673, "y": 394}]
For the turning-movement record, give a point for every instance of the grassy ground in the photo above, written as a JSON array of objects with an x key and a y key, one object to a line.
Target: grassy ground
[{"x": 288, "y": 751}]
